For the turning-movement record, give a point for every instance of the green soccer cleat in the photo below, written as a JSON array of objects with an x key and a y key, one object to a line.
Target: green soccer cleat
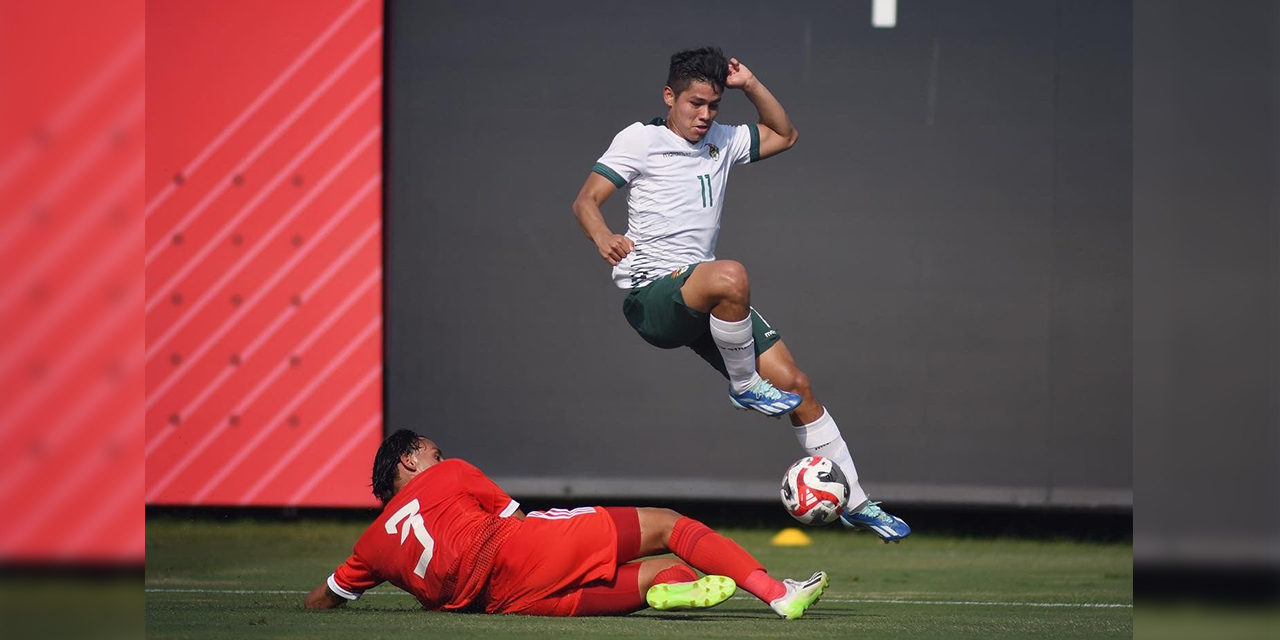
[
  {"x": 800, "y": 596},
  {"x": 703, "y": 593}
]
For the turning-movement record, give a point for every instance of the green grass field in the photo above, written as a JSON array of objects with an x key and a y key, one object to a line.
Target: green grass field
[{"x": 246, "y": 579}]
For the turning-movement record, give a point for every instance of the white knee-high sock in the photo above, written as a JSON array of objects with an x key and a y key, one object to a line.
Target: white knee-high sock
[
  {"x": 822, "y": 438},
  {"x": 738, "y": 348}
]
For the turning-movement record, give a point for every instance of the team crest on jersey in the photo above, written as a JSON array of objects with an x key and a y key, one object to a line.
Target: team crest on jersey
[
  {"x": 715, "y": 151},
  {"x": 679, "y": 272}
]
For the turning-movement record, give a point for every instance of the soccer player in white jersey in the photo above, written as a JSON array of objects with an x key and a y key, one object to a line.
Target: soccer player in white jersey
[{"x": 678, "y": 293}]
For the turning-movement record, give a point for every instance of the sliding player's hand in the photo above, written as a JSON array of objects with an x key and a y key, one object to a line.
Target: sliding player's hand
[{"x": 613, "y": 248}]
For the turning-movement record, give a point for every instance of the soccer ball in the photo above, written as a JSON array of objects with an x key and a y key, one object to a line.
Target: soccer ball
[{"x": 814, "y": 490}]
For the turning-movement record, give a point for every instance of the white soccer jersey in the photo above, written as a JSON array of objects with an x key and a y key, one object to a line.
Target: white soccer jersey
[{"x": 677, "y": 191}]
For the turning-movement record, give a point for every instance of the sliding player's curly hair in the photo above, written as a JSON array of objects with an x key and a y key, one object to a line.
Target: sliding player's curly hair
[
  {"x": 707, "y": 64},
  {"x": 386, "y": 464}
]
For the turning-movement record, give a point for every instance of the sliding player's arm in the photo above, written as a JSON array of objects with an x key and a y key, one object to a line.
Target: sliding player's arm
[
  {"x": 613, "y": 247},
  {"x": 347, "y": 583},
  {"x": 777, "y": 134}
]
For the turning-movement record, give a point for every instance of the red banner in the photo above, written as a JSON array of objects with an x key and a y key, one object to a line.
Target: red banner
[{"x": 263, "y": 251}]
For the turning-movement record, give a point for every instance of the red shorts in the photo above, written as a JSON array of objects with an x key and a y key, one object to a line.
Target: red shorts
[{"x": 540, "y": 569}]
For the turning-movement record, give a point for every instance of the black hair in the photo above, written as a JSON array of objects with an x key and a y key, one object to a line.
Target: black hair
[
  {"x": 707, "y": 64},
  {"x": 386, "y": 465}
]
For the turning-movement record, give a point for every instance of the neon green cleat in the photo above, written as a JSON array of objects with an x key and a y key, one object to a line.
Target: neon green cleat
[
  {"x": 705, "y": 592},
  {"x": 800, "y": 596}
]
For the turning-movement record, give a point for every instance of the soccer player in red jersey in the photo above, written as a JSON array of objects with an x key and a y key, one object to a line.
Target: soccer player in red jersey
[{"x": 454, "y": 540}]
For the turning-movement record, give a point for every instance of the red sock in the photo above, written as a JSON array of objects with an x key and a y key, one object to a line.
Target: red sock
[
  {"x": 675, "y": 573},
  {"x": 712, "y": 553},
  {"x": 760, "y": 585}
]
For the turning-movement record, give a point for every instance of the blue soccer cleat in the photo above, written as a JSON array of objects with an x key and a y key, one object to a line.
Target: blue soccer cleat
[
  {"x": 766, "y": 399},
  {"x": 871, "y": 517}
]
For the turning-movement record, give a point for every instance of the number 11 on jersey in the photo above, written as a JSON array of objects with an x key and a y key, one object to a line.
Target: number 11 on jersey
[
  {"x": 413, "y": 522},
  {"x": 704, "y": 181}
]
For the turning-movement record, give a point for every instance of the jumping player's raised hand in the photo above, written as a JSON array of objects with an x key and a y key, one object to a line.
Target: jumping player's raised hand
[
  {"x": 614, "y": 247},
  {"x": 739, "y": 75}
]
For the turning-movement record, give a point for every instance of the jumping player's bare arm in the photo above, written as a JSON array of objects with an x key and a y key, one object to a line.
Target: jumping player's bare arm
[
  {"x": 613, "y": 247},
  {"x": 777, "y": 134}
]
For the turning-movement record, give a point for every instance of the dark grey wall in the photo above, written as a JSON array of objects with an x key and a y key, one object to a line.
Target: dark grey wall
[
  {"x": 947, "y": 251},
  {"x": 1207, "y": 313}
]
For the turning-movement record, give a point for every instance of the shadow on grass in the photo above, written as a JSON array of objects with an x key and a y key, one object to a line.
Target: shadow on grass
[{"x": 721, "y": 615}]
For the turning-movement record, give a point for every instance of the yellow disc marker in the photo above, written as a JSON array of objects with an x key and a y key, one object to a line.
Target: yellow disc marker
[{"x": 791, "y": 537}]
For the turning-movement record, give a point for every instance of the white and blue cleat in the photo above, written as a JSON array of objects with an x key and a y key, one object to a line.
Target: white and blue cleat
[
  {"x": 765, "y": 398},
  {"x": 871, "y": 517},
  {"x": 800, "y": 596}
]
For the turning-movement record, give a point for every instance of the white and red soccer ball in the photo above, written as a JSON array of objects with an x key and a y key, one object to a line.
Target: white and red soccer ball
[{"x": 814, "y": 490}]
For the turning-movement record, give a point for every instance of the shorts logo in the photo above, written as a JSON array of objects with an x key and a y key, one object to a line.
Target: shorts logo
[
  {"x": 715, "y": 152},
  {"x": 679, "y": 272},
  {"x": 770, "y": 333}
]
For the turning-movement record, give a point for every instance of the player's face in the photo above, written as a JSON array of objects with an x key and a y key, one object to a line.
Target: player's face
[
  {"x": 693, "y": 110},
  {"x": 428, "y": 455}
]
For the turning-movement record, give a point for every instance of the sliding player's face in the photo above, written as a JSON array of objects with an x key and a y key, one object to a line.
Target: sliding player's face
[
  {"x": 693, "y": 110},
  {"x": 428, "y": 455}
]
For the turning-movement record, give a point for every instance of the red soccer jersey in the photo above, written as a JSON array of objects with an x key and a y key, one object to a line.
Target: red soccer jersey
[{"x": 436, "y": 539}]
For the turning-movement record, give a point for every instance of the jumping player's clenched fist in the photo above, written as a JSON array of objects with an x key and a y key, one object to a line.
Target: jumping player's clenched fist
[{"x": 614, "y": 247}]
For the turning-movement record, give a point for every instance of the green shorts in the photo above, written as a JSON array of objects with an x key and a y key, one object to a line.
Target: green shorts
[{"x": 658, "y": 314}]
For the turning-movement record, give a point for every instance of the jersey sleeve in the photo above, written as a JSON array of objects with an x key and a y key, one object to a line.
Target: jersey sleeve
[
  {"x": 744, "y": 146},
  {"x": 491, "y": 497},
  {"x": 353, "y": 578},
  {"x": 625, "y": 159}
]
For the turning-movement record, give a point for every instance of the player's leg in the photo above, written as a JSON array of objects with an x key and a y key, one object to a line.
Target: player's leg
[
  {"x": 666, "y": 583},
  {"x": 818, "y": 435},
  {"x": 625, "y": 593},
  {"x": 681, "y": 588},
  {"x": 670, "y": 585},
  {"x": 664, "y": 530},
  {"x": 814, "y": 427},
  {"x": 721, "y": 289},
  {"x": 614, "y": 597},
  {"x": 659, "y": 571}
]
